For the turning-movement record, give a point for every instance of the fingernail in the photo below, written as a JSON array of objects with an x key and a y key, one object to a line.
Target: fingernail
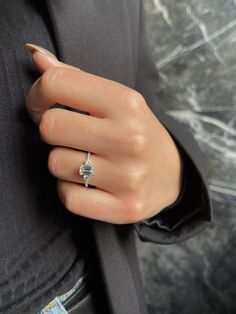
[{"x": 33, "y": 48}]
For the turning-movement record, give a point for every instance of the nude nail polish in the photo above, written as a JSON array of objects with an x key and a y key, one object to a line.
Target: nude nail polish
[{"x": 33, "y": 48}]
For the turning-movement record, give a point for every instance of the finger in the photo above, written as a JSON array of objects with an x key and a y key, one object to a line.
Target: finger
[
  {"x": 77, "y": 89},
  {"x": 93, "y": 203},
  {"x": 101, "y": 136},
  {"x": 64, "y": 164},
  {"x": 44, "y": 59},
  {"x": 72, "y": 129}
]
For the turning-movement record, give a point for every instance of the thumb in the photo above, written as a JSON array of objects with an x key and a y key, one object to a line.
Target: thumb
[{"x": 44, "y": 59}]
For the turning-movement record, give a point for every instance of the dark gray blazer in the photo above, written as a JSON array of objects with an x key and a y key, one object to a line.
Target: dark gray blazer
[
  {"x": 126, "y": 58},
  {"x": 108, "y": 38}
]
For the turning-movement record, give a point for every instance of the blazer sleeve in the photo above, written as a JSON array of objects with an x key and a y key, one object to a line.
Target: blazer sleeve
[{"x": 192, "y": 211}]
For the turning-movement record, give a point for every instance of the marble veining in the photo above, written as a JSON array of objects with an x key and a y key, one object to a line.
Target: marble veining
[{"x": 194, "y": 47}]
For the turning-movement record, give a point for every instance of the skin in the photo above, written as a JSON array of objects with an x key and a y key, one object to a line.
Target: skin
[{"x": 138, "y": 167}]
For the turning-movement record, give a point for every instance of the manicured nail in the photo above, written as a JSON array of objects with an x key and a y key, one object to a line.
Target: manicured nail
[{"x": 33, "y": 48}]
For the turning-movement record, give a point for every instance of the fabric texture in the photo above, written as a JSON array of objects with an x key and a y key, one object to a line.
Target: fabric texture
[{"x": 41, "y": 252}]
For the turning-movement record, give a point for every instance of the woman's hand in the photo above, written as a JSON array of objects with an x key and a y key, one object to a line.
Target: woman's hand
[{"x": 138, "y": 168}]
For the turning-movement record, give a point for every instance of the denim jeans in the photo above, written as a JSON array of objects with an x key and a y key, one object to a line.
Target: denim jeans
[{"x": 56, "y": 305}]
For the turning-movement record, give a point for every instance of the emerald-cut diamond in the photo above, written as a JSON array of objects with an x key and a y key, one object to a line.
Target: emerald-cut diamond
[{"x": 87, "y": 170}]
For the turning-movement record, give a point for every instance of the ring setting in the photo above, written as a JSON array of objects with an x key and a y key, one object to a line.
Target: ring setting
[{"x": 87, "y": 169}]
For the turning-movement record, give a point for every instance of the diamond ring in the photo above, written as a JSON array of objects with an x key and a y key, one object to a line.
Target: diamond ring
[{"x": 87, "y": 169}]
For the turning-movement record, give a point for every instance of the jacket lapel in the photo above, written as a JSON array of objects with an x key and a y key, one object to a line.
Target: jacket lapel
[
  {"x": 113, "y": 243},
  {"x": 89, "y": 32},
  {"x": 110, "y": 240}
]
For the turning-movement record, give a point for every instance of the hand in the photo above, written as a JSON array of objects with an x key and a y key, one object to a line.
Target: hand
[{"x": 138, "y": 168}]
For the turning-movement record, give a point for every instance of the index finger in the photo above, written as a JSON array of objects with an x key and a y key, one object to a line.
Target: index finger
[{"x": 77, "y": 89}]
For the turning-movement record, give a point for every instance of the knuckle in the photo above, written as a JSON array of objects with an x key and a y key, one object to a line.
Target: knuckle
[
  {"x": 135, "y": 141},
  {"x": 67, "y": 201},
  {"x": 46, "y": 124},
  {"x": 48, "y": 79},
  {"x": 138, "y": 210},
  {"x": 135, "y": 211},
  {"x": 134, "y": 100},
  {"x": 66, "y": 198},
  {"x": 54, "y": 161},
  {"x": 134, "y": 178}
]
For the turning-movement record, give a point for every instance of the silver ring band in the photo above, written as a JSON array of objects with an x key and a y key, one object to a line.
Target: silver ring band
[{"x": 87, "y": 169}]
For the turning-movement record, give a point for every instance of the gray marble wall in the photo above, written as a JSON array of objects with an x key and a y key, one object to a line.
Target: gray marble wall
[{"x": 194, "y": 46}]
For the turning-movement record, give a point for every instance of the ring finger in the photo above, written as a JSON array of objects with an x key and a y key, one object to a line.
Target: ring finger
[{"x": 64, "y": 163}]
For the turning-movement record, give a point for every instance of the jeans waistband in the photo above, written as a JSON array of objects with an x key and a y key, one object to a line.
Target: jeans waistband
[{"x": 61, "y": 304}]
